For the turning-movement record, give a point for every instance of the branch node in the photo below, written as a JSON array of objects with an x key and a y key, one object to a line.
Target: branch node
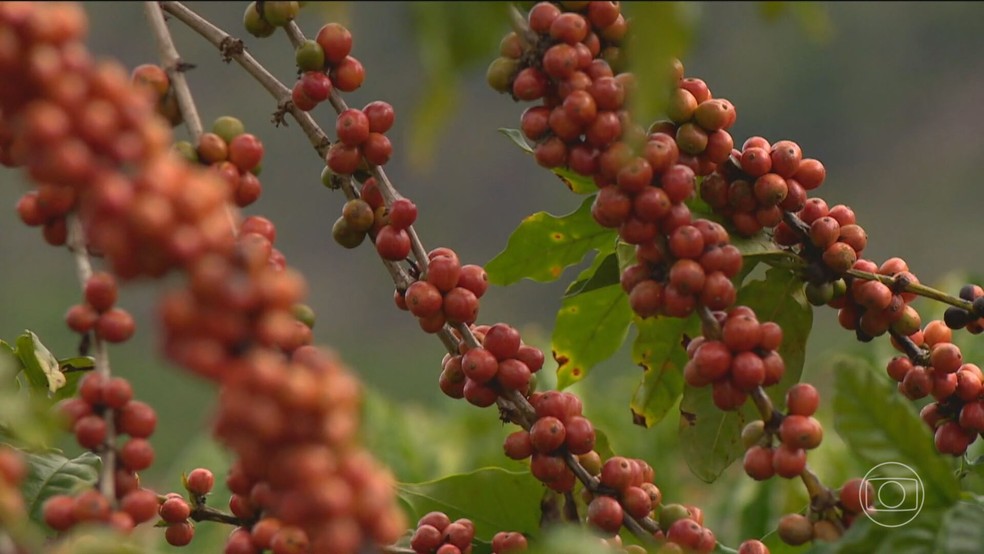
[{"x": 231, "y": 46}]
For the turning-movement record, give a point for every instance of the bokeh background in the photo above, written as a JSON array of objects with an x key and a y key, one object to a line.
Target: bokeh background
[{"x": 890, "y": 96}]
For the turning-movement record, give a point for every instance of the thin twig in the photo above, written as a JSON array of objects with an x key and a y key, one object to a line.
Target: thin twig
[
  {"x": 83, "y": 268},
  {"x": 172, "y": 64}
]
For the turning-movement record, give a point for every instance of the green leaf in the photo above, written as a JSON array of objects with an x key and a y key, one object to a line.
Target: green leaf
[
  {"x": 882, "y": 427},
  {"x": 544, "y": 245},
  {"x": 660, "y": 351},
  {"x": 578, "y": 184},
  {"x": 40, "y": 366},
  {"x": 780, "y": 298},
  {"x": 589, "y": 328},
  {"x": 710, "y": 438},
  {"x": 603, "y": 272},
  {"x": 963, "y": 529},
  {"x": 51, "y": 473},
  {"x": 493, "y": 498},
  {"x": 76, "y": 363},
  {"x": 661, "y": 31},
  {"x": 393, "y": 433}
]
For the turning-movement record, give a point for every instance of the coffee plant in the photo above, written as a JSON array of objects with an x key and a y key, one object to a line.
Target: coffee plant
[{"x": 715, "y": 249}]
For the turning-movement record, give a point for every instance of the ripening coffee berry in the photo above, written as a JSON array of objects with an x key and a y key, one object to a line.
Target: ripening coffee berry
[
  {"x": 137, "y": 454},
  {"x": 798, "y": 431},
  {"x": 686, "y": 533},
  {"x": 518, "y": 445},
  {"x": 175, "y": 509},
  {"x": 802, "y": 399},
  {"x": 90, "y": 431},
  {"x": 753, "y": 546},
  {"x": 58, "y": 512},
  {"x": 580, "y": 437},
  {"x": 393, "y": 244},
  {"x": 605, "y": 513},
  {"x": 352, "y": 127},
  {"x": 789, "y": 462},
  {"x": 403, "y": 213},
  {"x": 507, "y": 542},
  {"x": 246, "y": 152},
  {"x": 348, "y": 74},
  {"x": 758, "y": 463},
  {"x": 616, "y": 473},
  {"x": 795, "y": 529},
  {"x": 336, "y": 42},
  {"x": 857, "y": 495},
  {"x": 101, "y": 291},
  {"x": 547, "y": 434},
  {"x": 199, "y": 481}
]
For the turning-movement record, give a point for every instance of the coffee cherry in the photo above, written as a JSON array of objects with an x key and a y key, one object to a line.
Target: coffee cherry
[
  {"x": 393, "y": 244},
  {"x": 460, "y": 305},
  {"x": 616, "y": 473},
  {"x": 246, "y": 152},
  {"x": 795, "y": 529},
  {"x": 403, "y": 213},
  {"x": 352, "y": 127},
  {"x": 136, "y": 419},
  {"x": 788, "y": 461},
  {"x": 802, "y": 399},
  {"x": 547, "y": 434},
  {"x": 58, "y": 512},
  {"x": 758, "y": 463},
  {"x": 605, "y": 513},
  {"x": 685, "y": 532},
  {"x": 137, "y": 454},
  {"x": 101, "y": 291},
  {"x": 437, "y": 520},
  {"x": 336, "y": 42},
  {"x": 90, "y": 431},
  {"x": 753, "y": 546},
  {"x": 514, "y": 374},
  {"x": 348, "y": 74},
  {"x": 255, "y": 24},
  {"x": 857, "y": 495},
  {"x": 199, "y": 481},
  {"x": 797, "y": 431},
  {"x": 175, "y": 510},
  {"x": 518, "y": 445},
  {"x": 505, "y": 542}
]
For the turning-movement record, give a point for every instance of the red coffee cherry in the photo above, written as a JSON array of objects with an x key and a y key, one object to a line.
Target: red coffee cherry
[
  {"x": 605, "y": 513},
  {"x": 802, "y": 399},
  {"x": 758, "y": 463},
  {"x": 393, "y": 244},
  {"x": 381, "y": 116},
  {"x": 547, "y": 434},
  {"x": 101, "y": 291},
  {"x": 336, "y": 41},
  {"x": 789, "y": 462},
  {"x": 199, "y": 481},
  {"x": 352, "y": 127},
  {"x": 348, "y": 75},
  {"x": 402, "y": 213},
  {"x": 857, "y": 495},
  {"x": 246, "y": 152}
]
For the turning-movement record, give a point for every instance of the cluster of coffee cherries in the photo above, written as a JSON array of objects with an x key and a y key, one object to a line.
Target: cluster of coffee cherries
[
  {"x": 631, "y": 481},
  {"x": 324, "y": 63},
  {"x": 743, "y": 359},
  {"x": 754, "y": 186},
  {"x": 798, "y": 432},
  {"x": 361, "y": 138},
  {"x": 559, "y": 428},
  {"x": 155, "y": 81},
  {"x": 872, "y": 308},
  {"x": 86, "y": 416},
  {"x": 938, "y": 369},
  {"x": 295, "y": 427},
  {"x": 855, "y": 496},
  {"x": 502, "y": 362},
  {"x": 972, "y": 320},
  {"x": 448, "y": 293},
  {"x": 691, "y": 266},
  {"x": 261, "y": 19},
  {"x": 436, "y": 533},
  {"x": 234, "y": 154},
  {"x": 97, "y": 313},
  {"x": 644, "y": 177},
  {"x": 231, "y": 303},
  {"x": 699, "y": 123},
  {"x": 828, "y": 237}
]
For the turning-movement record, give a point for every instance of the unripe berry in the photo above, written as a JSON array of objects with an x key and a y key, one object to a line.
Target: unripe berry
[{"x": 795, "y": 529}]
